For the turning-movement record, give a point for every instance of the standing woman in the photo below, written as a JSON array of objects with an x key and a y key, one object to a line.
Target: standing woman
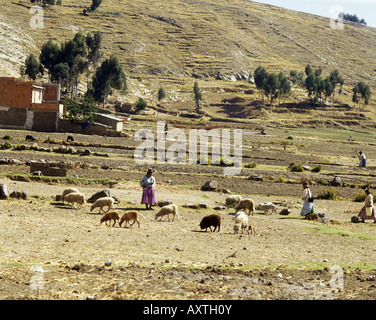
[
  {"x": 307, "y": 209},
  {"x": 148, "y": 194}
]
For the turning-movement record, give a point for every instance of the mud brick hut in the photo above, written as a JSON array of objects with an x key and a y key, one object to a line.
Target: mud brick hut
[
  {"x": 30, "y": 106},
  {"x": 114, "y": 123}
]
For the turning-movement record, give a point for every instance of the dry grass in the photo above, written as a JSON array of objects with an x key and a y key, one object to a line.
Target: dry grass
[{"x": 165, "y": 43}]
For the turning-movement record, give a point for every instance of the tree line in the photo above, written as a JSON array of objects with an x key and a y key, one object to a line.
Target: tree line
[
  {"x": 319, "y": 89},
  {"x": 352, "y": 18}
]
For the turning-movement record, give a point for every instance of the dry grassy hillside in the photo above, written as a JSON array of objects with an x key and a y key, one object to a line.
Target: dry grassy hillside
[{"x": 169, "y": 42}]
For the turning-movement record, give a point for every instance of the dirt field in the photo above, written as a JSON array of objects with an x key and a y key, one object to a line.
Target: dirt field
[{"x": 288, "y": 258}]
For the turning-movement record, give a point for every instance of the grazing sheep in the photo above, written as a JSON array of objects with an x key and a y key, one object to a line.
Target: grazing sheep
[
  {"x": 75, "y": 197},
  {"x": 251, "y": 229},
  {"x": 233, "y": 201},
  {"x": 112, "y": 215},
  {"x": 267, "y": 208},
  {"x": 213, "y": 220},
  {"x": 103, "y": 202},
  {"x": 167, "y": 210},
  {"x": 246, "y": 205},
  {"x": 285, "y": 212},
  {"x": 242, "y": 223},
  {"x": 29, "y": 138},
  {"x": 70, "y": 138},
  {"x": 129, "y": 216},
  {"x": 67, "y": 191}
]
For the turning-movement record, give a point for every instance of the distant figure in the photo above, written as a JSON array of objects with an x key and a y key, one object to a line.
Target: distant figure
[
  {"x": 70, "y": 138},
  {"x": 307, "y": 209},
  {"x": 350, "y": 139},
  {"x": 166, "y": 129},
  {"x": 362, "y": 159},
  {"x": 368, "y": 206},
  {"x": 85, "y": 125},
  {"x": 29, "y": 138}
]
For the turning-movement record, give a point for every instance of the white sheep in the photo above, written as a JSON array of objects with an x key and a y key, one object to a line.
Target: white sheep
[
  {"x": 167, "y": 210},
  {"x": 103, "y": 202},
  {"x": 233, "y": 201},
  {"x": 267, "y": 207},
  {"x": 75, "y": 197},
  {"x": 242, "y": 223},
  {"x": 67, "y": 191}
]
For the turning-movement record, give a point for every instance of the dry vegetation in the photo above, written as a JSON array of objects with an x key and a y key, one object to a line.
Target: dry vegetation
[
  {"x": 167, "y": 45},
  {"x": 289, "y": 258}
]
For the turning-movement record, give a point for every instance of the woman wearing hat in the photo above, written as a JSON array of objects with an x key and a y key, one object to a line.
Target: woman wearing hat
[{"x": 148, "y": 194}]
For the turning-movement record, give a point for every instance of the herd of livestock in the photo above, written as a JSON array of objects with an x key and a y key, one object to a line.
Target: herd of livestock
[{"x": 243, "y": 208}]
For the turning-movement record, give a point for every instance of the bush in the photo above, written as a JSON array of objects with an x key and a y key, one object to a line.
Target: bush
[
  {"x": 316, "y": 169},
  {"x": 7, "y": 137},
  {"x": 141, "y": 104},
  {"x": 297, "y": 167},
  {"x": 322, "y": 182},
  {"x": 361, "y": 196},
  {"x": 225, "y": 161},
  {"x": 250, "y": 165},
  {"x": 328, "y": 194},
  {"x": 6, "y": 145}
]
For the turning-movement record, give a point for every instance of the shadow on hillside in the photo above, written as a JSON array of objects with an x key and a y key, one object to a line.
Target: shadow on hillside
[{"x": 240, "y": 108}]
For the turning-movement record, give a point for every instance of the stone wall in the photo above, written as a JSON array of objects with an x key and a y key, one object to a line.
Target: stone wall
[{"x": 48, "y": 170}]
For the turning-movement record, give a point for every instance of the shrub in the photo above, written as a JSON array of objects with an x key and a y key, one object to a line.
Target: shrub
[
  {"x": 7, "y": 137},
  {"x": 361, "y": 196},
  {"x": 282, "y": 179},
  {"x": 251, "y": 165},
  {"x": 6, "y": 145},
  {"x": 322, "y": 182},
  {"x": 316, "y": 169},
  {"x": 328, "y": 194},
  {"x": 297, "y": 167},
  {"x": 225, "y": 161},
  {"x": 141, "y": 104}
]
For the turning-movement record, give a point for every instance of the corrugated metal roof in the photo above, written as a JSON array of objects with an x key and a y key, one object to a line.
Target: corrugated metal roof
[{"x": 109, "y": 117}]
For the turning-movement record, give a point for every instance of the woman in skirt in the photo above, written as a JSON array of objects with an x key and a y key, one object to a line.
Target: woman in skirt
[
  {"x": 307, "y": 209},
  {"x": 148, "y": 195},
  {"x": 368, "y": 203}
]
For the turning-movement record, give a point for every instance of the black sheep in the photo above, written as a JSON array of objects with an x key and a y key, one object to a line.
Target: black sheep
[
  {"x": 213, "y": 220},
  {"x": 70, "y": 138},
  {"x": 29, "y": 138}
]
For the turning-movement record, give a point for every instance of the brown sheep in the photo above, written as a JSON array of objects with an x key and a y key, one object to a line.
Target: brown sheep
[
  {"x": 129, "y": 216},
  {"x": 246, "y": 205},
  {"x": 213, "y": 220},
  {"x": 112, "y": 215},
  {"x": 251, "y": 229}
]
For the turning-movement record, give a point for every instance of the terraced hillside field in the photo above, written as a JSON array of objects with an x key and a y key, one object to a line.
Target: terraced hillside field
[{"x": 288, "y": 258}]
